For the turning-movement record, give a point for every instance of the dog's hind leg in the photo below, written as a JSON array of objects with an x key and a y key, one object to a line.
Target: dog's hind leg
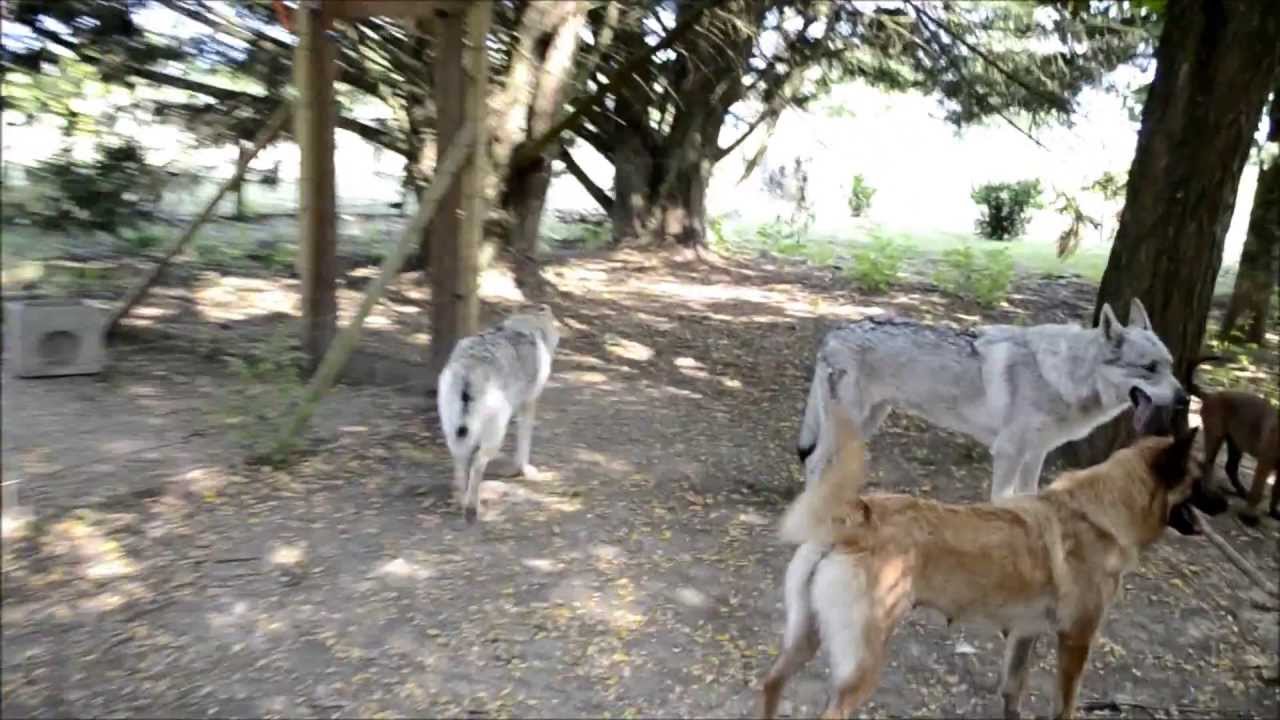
[
  {"x": 488, "y": 443},
  {"x": 1018, "y": 650},
  {"x": 856, "y": 608},
  {"x": 800, "y": 638},
  {"x": 524, "y": 439},
  {"x": 1253, "y": 506}
]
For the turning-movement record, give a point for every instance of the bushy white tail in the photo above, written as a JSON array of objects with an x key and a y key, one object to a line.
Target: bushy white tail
[{"x": 833, "y": 499}]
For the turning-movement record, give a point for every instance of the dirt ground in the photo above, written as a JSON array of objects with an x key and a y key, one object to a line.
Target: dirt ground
[{"x": 639, "y": 576}]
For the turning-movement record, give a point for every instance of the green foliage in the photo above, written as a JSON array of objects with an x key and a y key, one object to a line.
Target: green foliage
[
  {"x": 267, "y": 387},
  {"x": 1006, "y": 208},
  {"x": 984, "y": 278},
  {"x": 1110, "y": 186},
  {"x": 141, "y": 240},
  {"x": 877, "y": 265},
  {"x": 117, "y": 188},
  {"x": 717, "y": 234},
  {"x": 860, "y": 194}
]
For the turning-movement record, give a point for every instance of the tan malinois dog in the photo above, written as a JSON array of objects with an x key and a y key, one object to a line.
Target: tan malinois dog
[{"x": 1047, "y": 563}]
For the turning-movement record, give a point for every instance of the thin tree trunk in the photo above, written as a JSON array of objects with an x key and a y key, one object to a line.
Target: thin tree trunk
[
  {"x": 241, "y": 208},
  {"x": 1260, "y": 259},
  {"x": 1215, "y": 63},
  {"x": 460, "y": 72},
  {"x": 315, "y": 68}
]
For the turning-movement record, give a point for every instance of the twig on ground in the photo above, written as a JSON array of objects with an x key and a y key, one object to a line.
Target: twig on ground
[{"x": 1251, "y": 572}]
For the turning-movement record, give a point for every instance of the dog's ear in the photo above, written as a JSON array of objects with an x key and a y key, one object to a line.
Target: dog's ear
[
  {"x": 1138, "y": 317},
  {"x": 1108, "y": 323},
  {"x": 1172, "y": 464}
]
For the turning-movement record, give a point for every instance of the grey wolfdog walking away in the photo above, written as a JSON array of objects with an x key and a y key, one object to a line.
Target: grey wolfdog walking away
[
  {"x": 489, "y": 377},
  {"x": 1022, "y": 391}
]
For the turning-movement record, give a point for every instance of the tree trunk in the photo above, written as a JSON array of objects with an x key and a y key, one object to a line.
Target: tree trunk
[
  {"x": 660, "y": 199},
  {"x": 1215, "y": 63},
  {"x": 632, "y": 191},
  {"x": 1260, "y": 259},
  {"x": 461, "y": 83},
  {"x": 317, "y": 260},
  {"x": 553, "y": 39},
  {"x": 241, "y": 208}
]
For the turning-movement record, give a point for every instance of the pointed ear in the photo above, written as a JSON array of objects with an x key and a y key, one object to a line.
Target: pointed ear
[
  {"x": 1108, "y": 324},
  {"x": 1138, "y": 315},
  {"x": 1171, "y": 465}
]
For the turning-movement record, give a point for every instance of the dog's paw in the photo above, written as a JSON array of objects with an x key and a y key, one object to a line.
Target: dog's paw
[{"x": 529, "y": 472}]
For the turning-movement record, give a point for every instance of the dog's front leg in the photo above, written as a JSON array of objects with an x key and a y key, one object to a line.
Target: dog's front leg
[
  {"x": 1018, "y": 650},
  {"x": 1007, "y": 457},
  {"x": 1073, "y": 655},
  {"x": 1029, "y": 473},
  {"x": 524, "y": 439}
]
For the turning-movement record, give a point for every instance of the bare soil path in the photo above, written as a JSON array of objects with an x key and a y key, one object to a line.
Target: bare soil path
[{"x": 639, "y": 576}]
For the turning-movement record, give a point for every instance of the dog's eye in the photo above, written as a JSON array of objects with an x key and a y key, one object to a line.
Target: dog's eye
[{"x": 1151, "y": 367}]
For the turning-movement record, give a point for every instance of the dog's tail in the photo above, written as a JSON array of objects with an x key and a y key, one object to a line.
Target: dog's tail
[
  {"x": 461, "y": 396},
  {"x": 1192, "y": 388},
  {"x": 834, "y": 498}
]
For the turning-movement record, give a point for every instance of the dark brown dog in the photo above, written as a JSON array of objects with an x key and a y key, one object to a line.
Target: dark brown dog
[{"x": 1249, "y": 425}]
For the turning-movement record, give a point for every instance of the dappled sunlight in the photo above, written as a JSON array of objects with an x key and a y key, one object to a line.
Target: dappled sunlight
[
  {"x": 628, "y": 349},
  {"x": 545, "y": 565},
  {"x": 224, "y": 298},
  {"x": 98, "y": 556},
  {"x": 402, "y": 569}
]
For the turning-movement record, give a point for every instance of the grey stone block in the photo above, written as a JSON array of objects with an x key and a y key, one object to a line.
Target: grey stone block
[{"x": 45, "y": 338}]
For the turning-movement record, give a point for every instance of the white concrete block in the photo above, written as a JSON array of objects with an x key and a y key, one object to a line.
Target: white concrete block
[{"x": 45, "y": 338}]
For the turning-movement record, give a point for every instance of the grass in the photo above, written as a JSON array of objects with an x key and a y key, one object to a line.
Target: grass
[{"x": 1029, "y": 257}]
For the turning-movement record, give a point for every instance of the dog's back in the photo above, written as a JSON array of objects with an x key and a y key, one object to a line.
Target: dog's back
[{"x": 490, "y": 374}]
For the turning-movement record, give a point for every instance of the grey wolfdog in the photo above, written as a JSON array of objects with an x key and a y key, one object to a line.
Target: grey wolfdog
[
  {"x": 1022, "y": 391},
  {"x": 489, "y": 377}
]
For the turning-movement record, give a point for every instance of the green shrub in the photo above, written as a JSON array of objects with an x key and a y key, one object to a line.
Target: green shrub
[
  {"x": 876, "y": 265},
  {"x": 1006, "y": 208},
  {"x": 117, "y": 188},
  {"x": 860, "y": 194},
  {"x": 141, "y": 240},
  {"x": 984, "y": 278}
]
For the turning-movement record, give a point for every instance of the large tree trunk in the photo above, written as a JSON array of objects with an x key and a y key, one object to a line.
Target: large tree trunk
[
  {"x": 1214, "y": 66},
  {"x": 661, "y": 196},
  {"x": 553, "y": 37},
  {"x": 461, "y": 83},
  {"x": 1260, "y": 258}
]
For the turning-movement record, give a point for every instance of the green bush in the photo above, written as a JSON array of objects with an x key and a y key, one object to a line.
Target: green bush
[
  {"x": 860, "y": 194},
  {"x": 1006, "y": 208},
  {"x": 117, "y": 188},
  {"x": 984, "y": 278},
  {"x": 876, "y": 265}
]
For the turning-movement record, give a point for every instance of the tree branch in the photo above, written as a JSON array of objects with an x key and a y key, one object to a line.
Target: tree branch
[
  {"x": 597, "y": 193},
  {"x": 1055, "y": 100},
  {"x": 531, "y": 150},
  {"x": 375, "y": 135}
]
